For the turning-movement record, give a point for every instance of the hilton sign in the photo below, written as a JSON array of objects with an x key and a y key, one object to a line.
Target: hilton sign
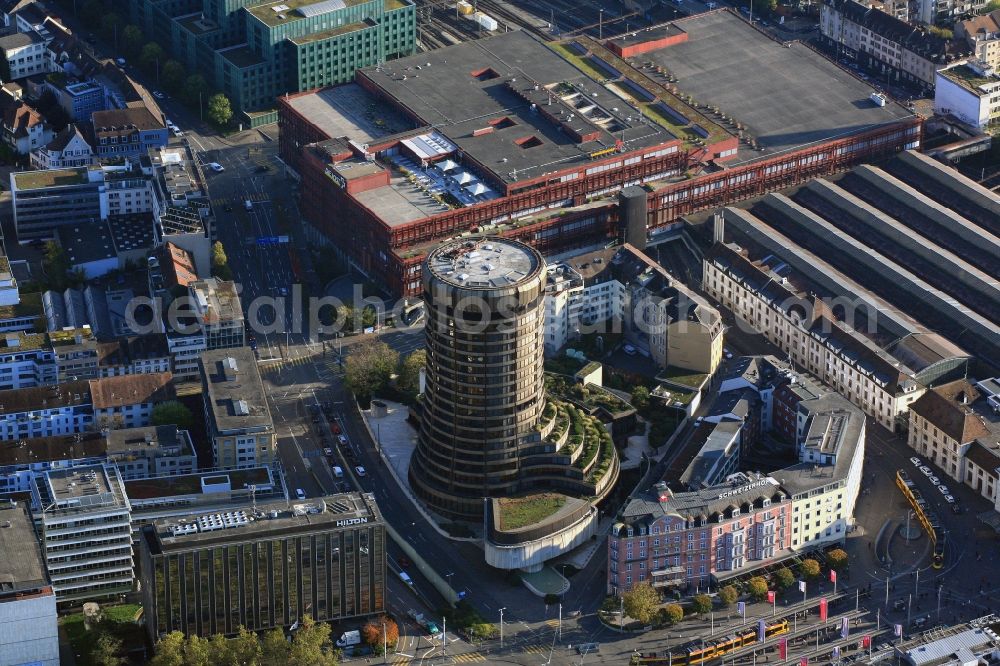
[
  {"x": 351, "y": 521},
  {"x": 743, "y": 489}
]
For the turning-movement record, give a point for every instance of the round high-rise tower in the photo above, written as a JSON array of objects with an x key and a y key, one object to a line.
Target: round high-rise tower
[{"x": 485, "y": 387}]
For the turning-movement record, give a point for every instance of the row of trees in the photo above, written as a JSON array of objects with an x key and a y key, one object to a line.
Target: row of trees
[
  {"x": 192, "y": 88},
  {"x": 310, "y": 646},
  {"x": 642, "y": 602}
]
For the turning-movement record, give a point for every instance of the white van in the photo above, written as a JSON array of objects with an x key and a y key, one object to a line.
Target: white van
[
  {"x": 248, "y": 204},
  {"x": 405, "y": 577},
  {"x": 301, "y": 494},
  {"x": 337, "y": 472}
]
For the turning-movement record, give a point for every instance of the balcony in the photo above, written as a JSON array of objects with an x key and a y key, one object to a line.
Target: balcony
[{"x": 668, "y": 577}]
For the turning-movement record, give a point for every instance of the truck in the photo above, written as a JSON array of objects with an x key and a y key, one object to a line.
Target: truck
[{"x": 349, "y": 638}]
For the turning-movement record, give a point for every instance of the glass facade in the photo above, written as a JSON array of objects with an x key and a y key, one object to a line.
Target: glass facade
[{"x": 213, "y": 589}]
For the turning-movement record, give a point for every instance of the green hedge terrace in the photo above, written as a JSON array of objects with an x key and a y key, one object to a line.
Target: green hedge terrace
[
  {"x": 607, "y": 455},
  {"x": 596, "y": 396},
  {"x": 518, "y": 512},
  {"x": 715, "y": 132}
]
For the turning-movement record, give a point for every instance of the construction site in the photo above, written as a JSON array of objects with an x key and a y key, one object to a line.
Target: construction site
[{"x": 511, "y": 136}]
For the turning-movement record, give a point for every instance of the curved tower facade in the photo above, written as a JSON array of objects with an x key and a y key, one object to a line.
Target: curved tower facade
[{"x": 485, "y": 388}]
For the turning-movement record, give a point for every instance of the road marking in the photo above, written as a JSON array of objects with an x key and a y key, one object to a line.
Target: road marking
[{"x": 467, "y": 657}]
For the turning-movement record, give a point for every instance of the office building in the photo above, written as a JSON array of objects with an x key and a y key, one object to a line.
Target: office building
[
  {"x": 29, "y": 630},
  {"x": 323, "y": 558},
  {"x": 139, "y": 453},
  {"x": 254, "y": 53},
  {"x": 43, "y": 200},
  {"x": 970, "y": 91},
  {"x": 128, "y": 133},
  {"x": 127, "y": 401},
  {"x": 45, "y": 411},
  {"x": 84, "y": 524},
  {"x": 530, "y": 149},
  {"x": 957, "y": 427},
  {"x": 81, "y": 99},
  {"x": 26, "y": 361},
  {"x": 482, "y": 409},
  {"x": 236, "y": 411},
  {"x": 216, "y": 305}
]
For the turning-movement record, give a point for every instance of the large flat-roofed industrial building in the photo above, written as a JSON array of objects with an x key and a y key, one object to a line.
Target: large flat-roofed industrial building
[
  {"x": 265, "y": 567},
  {"x": 508, "y": 135}
]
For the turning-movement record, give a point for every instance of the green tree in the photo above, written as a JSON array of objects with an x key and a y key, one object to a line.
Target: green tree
[
  {"x": 784, "y": 578},
  {"x": 701, "y": 603},
  {"x": 764, "y": 7},
  {"x": 196, "y": 651},
  {"x": 311, "y": 644},
  {"x": 809, "y": 568},
  {"x": 111, "y": 26},
  {"x": 172, "y": 75},
  {"x": 837, "y": 558},
  {"x": 131, "y": 40},
  {"x": 151, "y": 54},
  {"x": 169, "y": 650},
  {"x": 107, "y": 651},
  {"x": 274, "y": 648},
  {"x": 92, "y": 12},
  {"x": 640, "y": 397},
  {"x": 219, "y": 110},
  {"x": 195, "y": 89},
  {"x": 172, "y": 413},
  {"x": 991, "y": 6},
  {"x": 728, "y": 595},
  {"x": 409, "y": 373},
  {"x": 220, "y": 262},
  {"x": 673, "y": 613},
  {"x": 641, "y": 603},
  {"x": 220, "y": 651},
  {"x": 757, "y": 587},
  {"x": 368, "y": 367},
  {"x": 56, "y": 265},
  {"x": 244, "y": 649}
]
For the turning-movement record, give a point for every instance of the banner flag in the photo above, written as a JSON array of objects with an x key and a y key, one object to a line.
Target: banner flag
[
  {"x": 822, "y": 609},
  {"x": 833, "y": 576},
  {"x": 866, "y": 641},
  {"x": 802, "y": 586},
  {"x": 783, "y": 648},
  {"x": 770, "y": 596},
  {"x": 898, "y": 630},
  {"x": 761, "y": 631},
  {"x": 741, "y": 608},
  {"x": 845, "y": 627}
]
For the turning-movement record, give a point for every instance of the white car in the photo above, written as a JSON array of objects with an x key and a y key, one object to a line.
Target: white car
[
  {"x": 360, "y": 470},
  {"x": 933, "y": 479},
  {"x": 944, "y": 490},
  {"x": 917, "y": 462},
  {"x": 216, "y": 167},
  {"x": 949, "y": 499},
  {"x": 629, "y": 349},
  {"x": 925, "y": 470},
  {"x": 177, "y": 131},
  {"x": 342, "y": 439},
  {"x": 158, "y": 95}
]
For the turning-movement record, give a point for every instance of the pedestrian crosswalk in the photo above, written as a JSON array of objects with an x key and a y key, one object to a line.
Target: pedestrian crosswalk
[
  {"x": 468, "y": 657},
  {"x": 535, "y": 649},
  {"x": 554, "y": 623},
  {"x": 398, "y": 660}
]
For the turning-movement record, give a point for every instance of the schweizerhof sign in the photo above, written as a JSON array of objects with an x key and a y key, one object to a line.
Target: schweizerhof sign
[{"x": 743, "y": 489}]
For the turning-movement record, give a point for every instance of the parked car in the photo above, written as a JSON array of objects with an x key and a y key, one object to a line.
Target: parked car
[
  {"x": 950, "y": 499},
  {"x": 925, "y": 470},
  {"x": 917, "y": 462},
  {"x": 944, "y": 489},
  {"x": 216, "y": 167},
  {"x": 629, "y": 349},
  {"x": 933, "y": 479},
  {"x": 158, "y": 95},
  {"x": 956, "y": 508},
  {"x": 360, "y": 470}
]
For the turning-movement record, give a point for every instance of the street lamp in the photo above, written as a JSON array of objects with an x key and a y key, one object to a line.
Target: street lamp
[
  {"x": 501, "y": 626},
  {"x": 600, "y": 24}
]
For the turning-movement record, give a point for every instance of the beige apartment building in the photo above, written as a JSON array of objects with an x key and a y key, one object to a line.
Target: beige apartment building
[
  {"x": 955, "y": 427},
  {"x": 983, "y": 35},
  {"x": 882, "y": 380}
]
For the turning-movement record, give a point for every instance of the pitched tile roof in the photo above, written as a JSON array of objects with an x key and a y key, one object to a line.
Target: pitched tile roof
[
  {"x": 948, "y": 407},
  {"x": 123, "y": 390}
]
